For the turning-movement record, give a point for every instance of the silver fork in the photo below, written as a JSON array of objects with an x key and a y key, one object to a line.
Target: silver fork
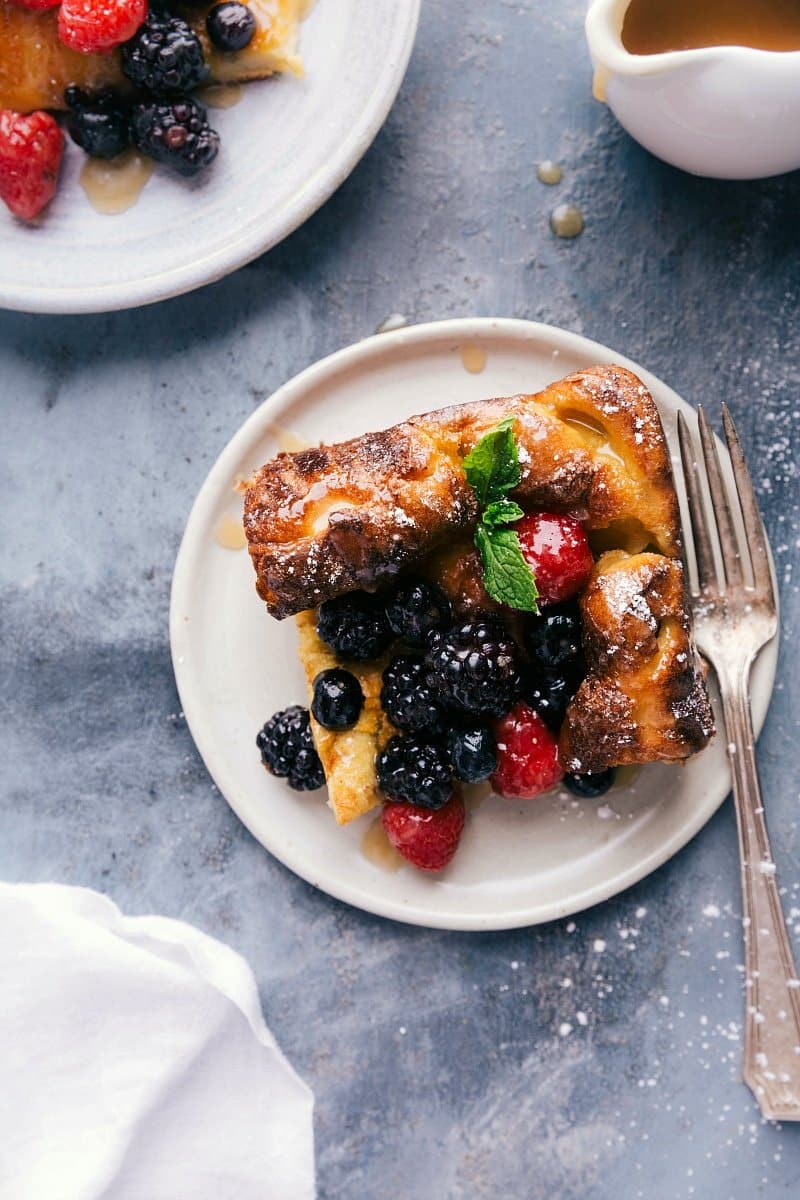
[{"x": 735, "y": 615}]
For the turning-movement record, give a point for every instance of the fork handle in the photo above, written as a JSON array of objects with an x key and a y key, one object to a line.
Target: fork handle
[{"x": 771, "y": 1065}]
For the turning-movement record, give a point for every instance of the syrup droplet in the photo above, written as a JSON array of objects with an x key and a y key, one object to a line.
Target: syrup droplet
[
  {"x": 377, "y": 849},
  {"x": 474, "y": 794},
  {"x": 600, "y": 83},
  {"x": 393, "y": 321},
  {"x": 566, "y": 221},
  {"x": 549, "y": 172},
  {"x": 473, "y": 358},
  {"x": 230, "y": 534},
  {"x": 114, "y": 185},
  {"x": 287, "y": 439},
  {"x": 220, "y": 95}
]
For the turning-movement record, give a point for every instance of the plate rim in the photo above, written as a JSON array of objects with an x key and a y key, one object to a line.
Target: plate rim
[
  {"x": 306, "y": 200},
  {"x": 218, "y": 480}
]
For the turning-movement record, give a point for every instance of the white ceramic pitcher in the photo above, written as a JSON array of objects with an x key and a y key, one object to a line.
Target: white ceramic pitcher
[{"x": 729, "y": 112}]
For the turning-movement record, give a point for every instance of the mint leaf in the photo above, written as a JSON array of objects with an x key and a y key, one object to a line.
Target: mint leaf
[
  {"x": 506, "y": 576},
  {"x": 502, "y": 512},
  {"x": 492, "y": 465}
]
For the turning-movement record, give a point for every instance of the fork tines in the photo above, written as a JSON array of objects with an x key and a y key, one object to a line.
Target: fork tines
[{"x": 744, "y": 561}]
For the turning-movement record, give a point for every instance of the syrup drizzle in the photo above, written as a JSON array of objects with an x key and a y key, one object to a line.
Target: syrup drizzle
[{"x": 114, "y": 185}]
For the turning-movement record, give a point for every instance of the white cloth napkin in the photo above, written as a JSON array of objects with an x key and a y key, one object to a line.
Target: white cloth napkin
[{"x": 135, "y": 1063}]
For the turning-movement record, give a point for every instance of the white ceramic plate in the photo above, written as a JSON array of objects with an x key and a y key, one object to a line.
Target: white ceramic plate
[
  {"x": 519, "y": 863},
  {"x": 286, "y": 147}
]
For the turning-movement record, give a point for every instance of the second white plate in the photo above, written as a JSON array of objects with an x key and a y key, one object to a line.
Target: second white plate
[
  {"x": 285, "y": 148},
  {"x": 519, "y": 863}
]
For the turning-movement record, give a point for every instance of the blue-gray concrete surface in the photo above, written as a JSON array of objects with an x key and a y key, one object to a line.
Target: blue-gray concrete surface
[{"x": 442, "y": 1063}]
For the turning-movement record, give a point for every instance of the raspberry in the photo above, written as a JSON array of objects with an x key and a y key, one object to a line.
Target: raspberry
[
  {"x": 355, "y": 626},
  {"x": 93, "y": 26},
  {"x": 473, "y": 667},
  {"x": 30, "y": 156},
  {"x": 415, "y": 769},
  {"x": 418, "y": 609},
  {"x": 288, "y": 751},
  {"x": 406, "y": 696},
  {"x": 527, "y": 755},
  {"x": 557, "y": 551},
  {"x": 426, "y": 839},
  {"x": 175, "y": 132},
  {"x": 165, "y": 55}
]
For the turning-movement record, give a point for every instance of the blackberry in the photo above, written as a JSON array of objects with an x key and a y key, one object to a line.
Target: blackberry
[
  {"x": 164, "y": 55},
  {"x": 549, "y": 695},
  {"x": 472, "y": 667},
  {"x": 176, "y": 133},
  {"x": 415, "y": 769},
  {"x": 338, "y": 699},
  {"x": 407, "y": 698},
  {"x": 553, "y": 640},
  {"x": 99, "y": 124},
  {"x": 231, "y": 26},
  {"x": 288, "y": 751},
  {"x": 473, "y": 753},
  {"x": 355, "y": 626},
  {"x": 590, "y": 785},
  {"x": 418, "y": 609}
]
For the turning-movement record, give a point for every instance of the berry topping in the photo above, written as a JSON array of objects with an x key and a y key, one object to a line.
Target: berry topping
[
  {"x": 549, "y": 695},
  {"x": 176, "y": 133},
  {"x": 527, "y": 759},
  {"x": 164, "y": 56},
  {"x": 98, "y": 124},
  {"x": 553, "y": 640},
  {"x": 426, "y": 839},
  {"x": 557, "y": 551},
  {"x": 473, "y": 753},
  {"x": 590, "y": 785},
  {"x": 355, "y": 626},
  {"x": 231, "y": 26},
  {"x": 418, "y": 609},
  {"x": 338, "y": 699},
  {"x": 94, "y": 26},
  {"x": 415, "y": 769},
  {"x": 288, "y": 751},
  {"x": 30, "y": 157},
  {"x": 407, "y": 698},
  {"x": 472, "y": 667}
]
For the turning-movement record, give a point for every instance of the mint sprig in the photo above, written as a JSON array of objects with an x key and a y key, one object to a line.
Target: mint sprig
[{"x": 492, "y": 469}]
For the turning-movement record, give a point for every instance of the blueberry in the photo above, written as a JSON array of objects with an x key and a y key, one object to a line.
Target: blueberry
[
  {"x": 553, "y": 640},
  {"x": 98, "y": 123},
  {"x": 473, "y": 753},
  {"x": 590, "y": 785},
  {"x": 418, "y": 609},
  {"x": 231, "y": 26},
  {"x": 338, "y": 699},
  {"x": 549, "y": 695}
]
